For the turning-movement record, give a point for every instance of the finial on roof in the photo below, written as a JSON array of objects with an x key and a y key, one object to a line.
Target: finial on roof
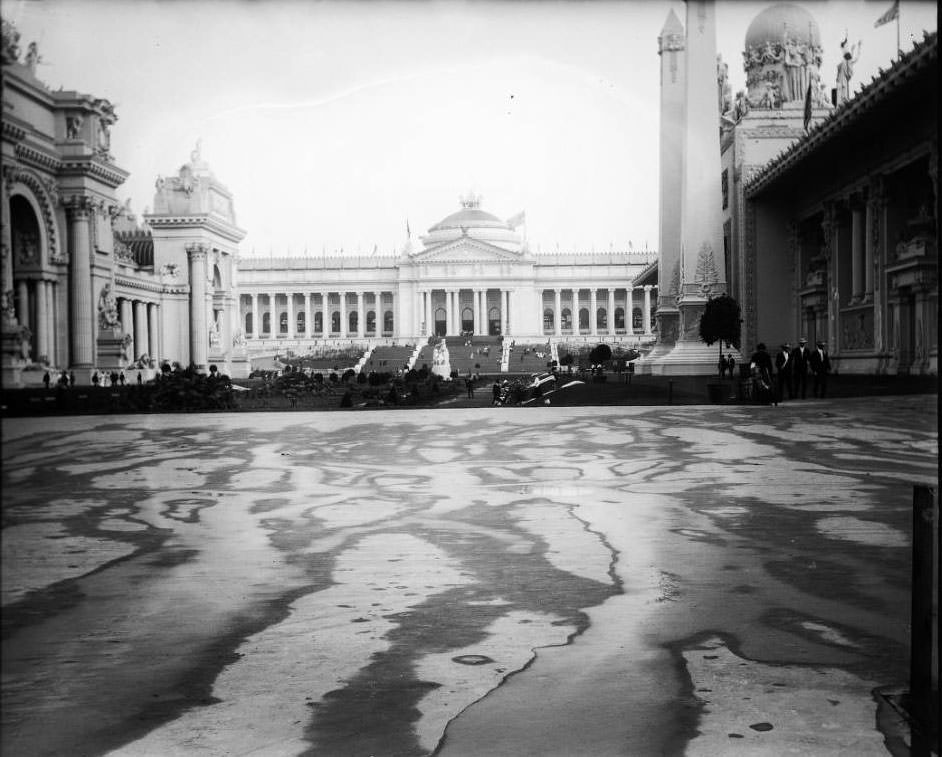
[{"x": 471, "y": 201}]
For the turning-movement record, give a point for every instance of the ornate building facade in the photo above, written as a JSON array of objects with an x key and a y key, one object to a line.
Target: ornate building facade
[
  {"x": 472, "y": 273},
  {"x": 842, "y": 228},
  {"x": 87, "y": 286}
]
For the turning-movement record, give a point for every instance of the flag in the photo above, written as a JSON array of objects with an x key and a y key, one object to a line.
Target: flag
[
  {"x": 808, "y": 107},
  {"x": 891, "y": 14},
  {"x": 518, "y": 220}
]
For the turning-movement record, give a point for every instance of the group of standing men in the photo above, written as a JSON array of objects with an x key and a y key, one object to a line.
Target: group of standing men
[{"x": 792, "y": 367}]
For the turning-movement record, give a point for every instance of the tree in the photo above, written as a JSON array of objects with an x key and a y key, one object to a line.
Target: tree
[
  {"x": 721, "y": 322},
  {"x": 600, "y": 354}
]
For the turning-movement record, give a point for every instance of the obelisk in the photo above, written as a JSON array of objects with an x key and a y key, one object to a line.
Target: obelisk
[
  {"x": 671, "y": 166},
  {"x": 702, "y": 264}
]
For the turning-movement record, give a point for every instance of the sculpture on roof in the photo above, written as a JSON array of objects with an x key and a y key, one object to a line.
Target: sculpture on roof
[
  {"x": 33, "y": 57},
  {"x": 10, "y": 51},
  {"x": 845, "y": 69},
  {"x": 73, "y": 126}
]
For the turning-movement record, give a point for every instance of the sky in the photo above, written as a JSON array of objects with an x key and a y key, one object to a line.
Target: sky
[{"x": 338, "y": 124}]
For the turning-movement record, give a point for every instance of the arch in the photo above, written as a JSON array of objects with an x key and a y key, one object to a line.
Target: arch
[
  {"x": 567, "y": 318},
  {"x": 248, "y": 324},
  {"x": 283, "y": 322},
  {"x": 493, "y": 321},
  {"x": 467, "y": 319},
  {"x": 371, "y": 321},
  {"x": 441, "y": 323},
  {"x": 43, "y": 198},
  {"x": 619, "y": 318},
  {"x": 318, "y": 323},
  {"x": 636, "y": 320},
  {"x": 583, "y": 319},
  {"x": 300, "y": 326},
  {"x": 335, "y": 322},
  {"x": 25, "y": 233},
  {"x": 548, "y": 321},
  {"x": 353, "y": 319},
  {"x": 601, "y": 318},
  {"x": 266, "y": 323},
  {"x": 388, "y": 321}
]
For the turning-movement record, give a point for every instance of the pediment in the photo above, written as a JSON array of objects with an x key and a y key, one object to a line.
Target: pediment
[{"x": 465, "y": 250}]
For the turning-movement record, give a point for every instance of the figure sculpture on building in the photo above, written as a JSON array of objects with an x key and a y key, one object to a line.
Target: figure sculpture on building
[
  {"x": 33, "y": 58},
  {"x": 845, "y": 69},
  {"x": 73, "y": 126},
  {"x": 107, "y": 308}
]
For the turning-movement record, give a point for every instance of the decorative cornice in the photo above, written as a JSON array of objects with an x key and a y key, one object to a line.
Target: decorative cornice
[
  {"x": 208, "y": 222},
  {"x": 12, "y": 132},
  {"x": 37, "y": 158},
  {"x": 110, "y": 175},
  {"x": 921, "y": 57},
  {"x": 147, "y": 286}
]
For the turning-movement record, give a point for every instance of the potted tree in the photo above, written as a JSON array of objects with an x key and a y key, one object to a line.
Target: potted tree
[{"x": 721, "y": 322}]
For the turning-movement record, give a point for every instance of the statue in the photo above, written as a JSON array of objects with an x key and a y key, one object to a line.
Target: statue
[
  {"x": 126, "y": 347},
  {"x": 238, "y": 339},
  {"x": 214, "y": 334},
  {"x": 33, "y": 57},
  {"x": 724, "y": 90},
  {"x": 7, "y": 308},
  {"x": 770, "y": 54},
  {"x": 104, "y": 137},
  {"x": 794, "y": 80},
  {"x": 845, "y": 70},
  {"x": 107, "y": 308},
  {"x": 73, "y": 126},
  {"x": 160, "y": 183},
  {"x": 11, "y": 39},
  {"x": 25, "y": 337}
]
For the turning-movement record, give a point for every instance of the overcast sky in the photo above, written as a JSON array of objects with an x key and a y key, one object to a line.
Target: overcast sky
[{"x": 335, "y": 123}]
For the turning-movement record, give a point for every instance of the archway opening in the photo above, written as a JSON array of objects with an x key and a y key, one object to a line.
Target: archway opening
[
  {"x": 548, "y": 325},
  {"x": 441, "y": 324},
  {"x": 248, "y": 324},
  {"x": 467, "y": 320},
  {"x": 371, "y": 321},
  {"x": 583, "y": 319},
  {"x": 493, "y": 321}
]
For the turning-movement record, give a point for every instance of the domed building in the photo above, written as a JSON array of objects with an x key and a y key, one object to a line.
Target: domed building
[{"x": 470, "y": 274}]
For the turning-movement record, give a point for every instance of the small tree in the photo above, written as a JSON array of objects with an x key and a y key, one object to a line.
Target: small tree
[
  {"x": 721, "y": 322},
  {"x": 600, "y": 354}
]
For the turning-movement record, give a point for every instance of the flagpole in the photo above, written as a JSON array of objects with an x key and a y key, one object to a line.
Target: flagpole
[{"x": 899, "y": 10}]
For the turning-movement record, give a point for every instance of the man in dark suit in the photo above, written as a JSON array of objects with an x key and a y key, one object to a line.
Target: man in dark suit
[
  {"x": 800, "y": 357},
  {"x": 820, "y": 368},
  {"x": 783, "y": 372}
]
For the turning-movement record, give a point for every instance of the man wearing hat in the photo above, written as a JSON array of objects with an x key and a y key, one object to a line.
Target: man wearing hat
[
  {"x": 820, "y": 367},
  {"x": 783, "y": 372},
  {"x": 800, "y": 357}
]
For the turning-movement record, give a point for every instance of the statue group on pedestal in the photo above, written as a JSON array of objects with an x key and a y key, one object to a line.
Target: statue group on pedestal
[{"x": 107, "y": 308}]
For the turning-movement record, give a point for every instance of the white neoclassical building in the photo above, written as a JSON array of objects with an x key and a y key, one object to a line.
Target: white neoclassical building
[{"x": 472, "y": 273}]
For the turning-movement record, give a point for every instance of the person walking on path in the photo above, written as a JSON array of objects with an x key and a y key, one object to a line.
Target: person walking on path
[
  {"x": 820, "y": 368},
  {"x": 800, "y": 357},
  {"x": 722, "y": 367},
  {"x": 731, "y": 365},
  {"x": 761, "y": 365},
  {"x": 495, "y": 392},
  {"x": 46, "y": 380},
  {"x": 783, "y": 371},
  {"x": 469, "y": 383},
  {"x": 71, "y": 378}
]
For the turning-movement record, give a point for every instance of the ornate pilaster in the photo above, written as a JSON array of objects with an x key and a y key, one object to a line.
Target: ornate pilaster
[
  {"x": 79, "y": 209},
  {"x": 197, "y": 254}
]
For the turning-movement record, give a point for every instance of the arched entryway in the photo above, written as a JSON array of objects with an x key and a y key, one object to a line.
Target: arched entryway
[
  {"x": 467, "y": 320},
  {"x": 441, "y": 325},
  {"x": 493, "y": 321}
]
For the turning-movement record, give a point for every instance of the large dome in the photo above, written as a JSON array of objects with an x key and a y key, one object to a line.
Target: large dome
[
  {"x": 773, "y": 23},
  {"x": 475, "y": 223}
]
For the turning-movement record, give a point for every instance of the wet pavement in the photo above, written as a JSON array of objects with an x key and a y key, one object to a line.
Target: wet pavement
[{"x": 477, "y": 581}]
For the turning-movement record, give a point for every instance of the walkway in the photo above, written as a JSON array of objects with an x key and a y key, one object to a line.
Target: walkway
[{"x": 552, "y": 581}]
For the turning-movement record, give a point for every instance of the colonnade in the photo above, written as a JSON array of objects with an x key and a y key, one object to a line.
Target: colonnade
[
  {"x": 327, "y": 304},
  {"x": 482, "y": 303},
  {"x": 141, "y": 320},
  {"x": 575, "y": 301},
  {"x": 36, "y": 309}
]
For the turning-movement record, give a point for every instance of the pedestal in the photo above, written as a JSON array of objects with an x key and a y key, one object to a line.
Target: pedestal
[
  {"x": 239, "y": 364},
  {"x": 112, "y": 350}
]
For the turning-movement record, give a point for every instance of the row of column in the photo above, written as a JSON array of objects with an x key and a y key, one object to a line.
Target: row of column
[
  {"x": 593, "y": 308},
  {"x": 425, "y": 307},
  {"x": 35, "y": 309},
  {"x": 141, "y": 320},
  {"x": 325, "y": 313}
]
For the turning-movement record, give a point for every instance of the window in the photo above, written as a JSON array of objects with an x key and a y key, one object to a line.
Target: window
[
  {"x": 248, "y": 323},
  {"x": 583, "y": 319},
  {"x": 548, "y": 324},
  {"x": 619, "y": 318}
]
